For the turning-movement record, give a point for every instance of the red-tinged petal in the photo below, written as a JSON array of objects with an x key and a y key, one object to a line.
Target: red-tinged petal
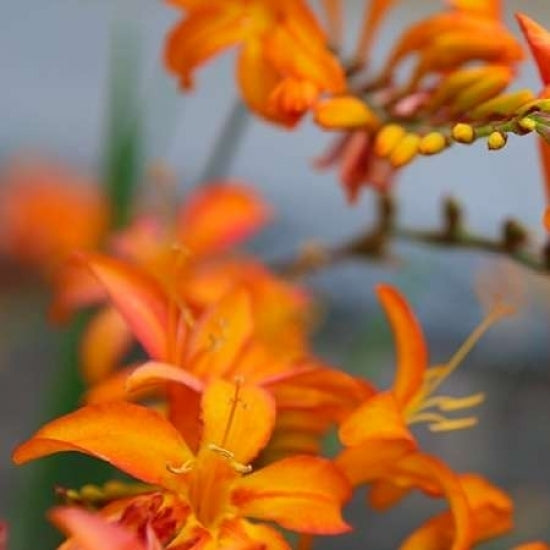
[
  {"x": 113, "y": 388},
  {"x": 155, "y": 374},
  {"x": 92, "y": 532},
  {"x": 412, "y": 355},
  {"x": 199, "y": 37},
  {"x": 139, "y": 299},
  {"x": 546, "y": 219},
  {"x": 257, "y": 81},
  {"x": 137, "y": 440},
  {"x": 220, "y": 335},
  {"x": 218, "y": 216},
  {"x": 184, "y": 412},
  {"x": 380, "y": 418},
  {"x": 238, "y": 418},
  {"x": 300, "y": 493},
  {"x": 106, "y": 339},
  {"x": 538, "y": 39},
  {"x": 544, "y": 151},
  {"x": 384, "y": 495},
  {"x": 241, "y": 534},
  {"x": 452, "y": 530}
]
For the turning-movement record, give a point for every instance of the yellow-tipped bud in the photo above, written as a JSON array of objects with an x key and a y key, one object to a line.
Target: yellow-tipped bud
[
  {"x": 463, "y": 133},
  {"x": 502, "y": 105},
  {"x": 496, "y": 140},
  {"x": 527, "y": 124},
  {"x": 432, "y": 143},
  {"x": 345, "y": 112},
  {"x": 535, "y": 105},
  {"x": 387, "y": 139},
  {"x": 405, "y": 150}
]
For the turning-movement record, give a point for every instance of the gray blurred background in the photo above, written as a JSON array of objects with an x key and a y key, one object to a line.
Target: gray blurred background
[{"x": 54, "y": 58}]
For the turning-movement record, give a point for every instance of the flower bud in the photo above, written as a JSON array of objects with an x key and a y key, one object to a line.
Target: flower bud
[
  {"x": 387, "y": 139},
  {"x": 463, "y": 133},
  {"x": 496, "y": 140},
  {"x": 405, "y": 150},
  {"x": 432, "y": 143}
]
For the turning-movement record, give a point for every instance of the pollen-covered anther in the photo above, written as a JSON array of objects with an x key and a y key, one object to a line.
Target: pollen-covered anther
[
  {"x": 463, "y": 133},
  {"x": 432, "y": 143},
  {"x": 185, "y": 468},
  {"x": 496, "y": 140},
  {"x": 227, "y": 454}
]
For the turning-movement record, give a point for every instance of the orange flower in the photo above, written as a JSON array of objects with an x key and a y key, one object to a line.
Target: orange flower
[
  {"x": 538, "y": 39},
  {"x": 209, "y": 493},
  {"x": 284, "y": 63},
  {"x": 221, "y": 342},
  {"x": 47, "y": 212}
]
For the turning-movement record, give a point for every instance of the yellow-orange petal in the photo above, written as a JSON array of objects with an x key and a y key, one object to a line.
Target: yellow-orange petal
[
  {"x": 485, "y": 8},
  {"x": 93, "y": 532},
  {"x": 220, "y": 335},
  {"x": 105, "y": 341},
  {"x": 238, "y": 418},
  {"x": 452, "y": 530},
  {"x": 139, "y": 299},
  {"x": 113, "y": 388},
  {"x": 345, "y": 112},
  {"x": 380, "y": 418},
  {"x": 195, "y": 40},
  {"x": 218, "y": 216},
  {"x": 236, "y": 531},
  {"x": 412, "y": 354},
  {"x": 538, "y": 39},
  {"x": 300, "y": 493},
  {"x": 154, "y": 373},
  {"x": 119, "y": 433}
]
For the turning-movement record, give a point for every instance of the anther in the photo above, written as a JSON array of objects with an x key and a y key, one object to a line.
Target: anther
[{"x": 185, "y": 468}]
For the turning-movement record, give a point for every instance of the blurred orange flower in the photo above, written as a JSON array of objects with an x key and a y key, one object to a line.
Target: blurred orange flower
[
  {"x": 212, "y": 496},
  {"x": 284, "y": 63},
  {"x": 48, "y": 211}
]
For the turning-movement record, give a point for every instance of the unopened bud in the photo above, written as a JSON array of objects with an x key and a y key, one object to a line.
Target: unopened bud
[
  {"x": 405, "y": 150},
  {"x": 387, "y": 138},
  {"x": 463, "y": 133},
  {"x": 432, "y": 143},
  {"x": 496, "y": 140},
  {"x": 527, "y": 124}
]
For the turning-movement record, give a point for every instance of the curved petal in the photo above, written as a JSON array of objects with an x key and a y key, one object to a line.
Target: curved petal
[
  {"x": 105, "y": 341},
  {"x": 203, "y": 34},
  {"x": 378, "y": 419},
  {"x": 138, "y": 298},
  {"x": 154, "y": 373},
  {"x": 113, "y": 388},
  {"x": 220, "y": 335},
  {"x": 484, "y": 8},
  {"x": 215, "y": 217},
  {"x": 119, "y": 433},
  {"x": 92, "y": 532},
  {"x": 300, "y": 493},
  {"x": 544, "y": 151},
  {"x": 412, "y": 355},
  {"x": 237, "y": 418}
]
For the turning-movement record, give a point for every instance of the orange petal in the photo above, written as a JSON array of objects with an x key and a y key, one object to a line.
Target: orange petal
[
  {"x": 154, "y": 373},
  {"x": 138, "y": 298},
  {"x": 119, "y": 433},
  {"x": 544, "y": 151},
  {"x": 451, "y": 530},
  {"x": 113, "y": 388},
  {"x": 234, "y": 532},
  {"x": 92, "y": 532},
  {"x": 201, "y": 36},
  {"x": 378, "y": 419},
  {"x": 485, "y": 8},
  {"x": 538, "y": 39},
  {"x": 300, "y": 493},
  {"x": 215, "y": 217},
  {"x": 384, "y": 495},
  {"x": 104, "y": 343},
  {"x": 220, "y": 335},
  {"x": 412, "y": 355},
  {"x": 238, "y": 418}
]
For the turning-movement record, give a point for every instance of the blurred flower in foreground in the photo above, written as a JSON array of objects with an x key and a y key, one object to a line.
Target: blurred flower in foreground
[
  {"x": 204, "y": 498},
  {"x": 284, "y": 63},
  {"x": 46, "y": 212}
]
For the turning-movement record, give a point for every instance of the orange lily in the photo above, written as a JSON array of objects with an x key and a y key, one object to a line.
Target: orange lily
[
  {"x": 46, "y": 212},
  {"x": 284, "y": 63},
  {"x": 222, "y": 342},
  {"x": 213, "y": 489},
  {"x": 538, "y": 39}
]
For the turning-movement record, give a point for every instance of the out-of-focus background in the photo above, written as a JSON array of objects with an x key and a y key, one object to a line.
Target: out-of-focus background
[{"x": 54, "y": 61}]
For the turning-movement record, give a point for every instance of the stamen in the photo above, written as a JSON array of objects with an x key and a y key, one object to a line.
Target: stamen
[
  {"x": 452, "y": 425},
  {"x": 234, "y": 402},
  {"x": 448, "y": 403},
  {"x": 185, "y": 468},
  {"x": 237, "y": 466},
  {"x": 428, "y": 417}
]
